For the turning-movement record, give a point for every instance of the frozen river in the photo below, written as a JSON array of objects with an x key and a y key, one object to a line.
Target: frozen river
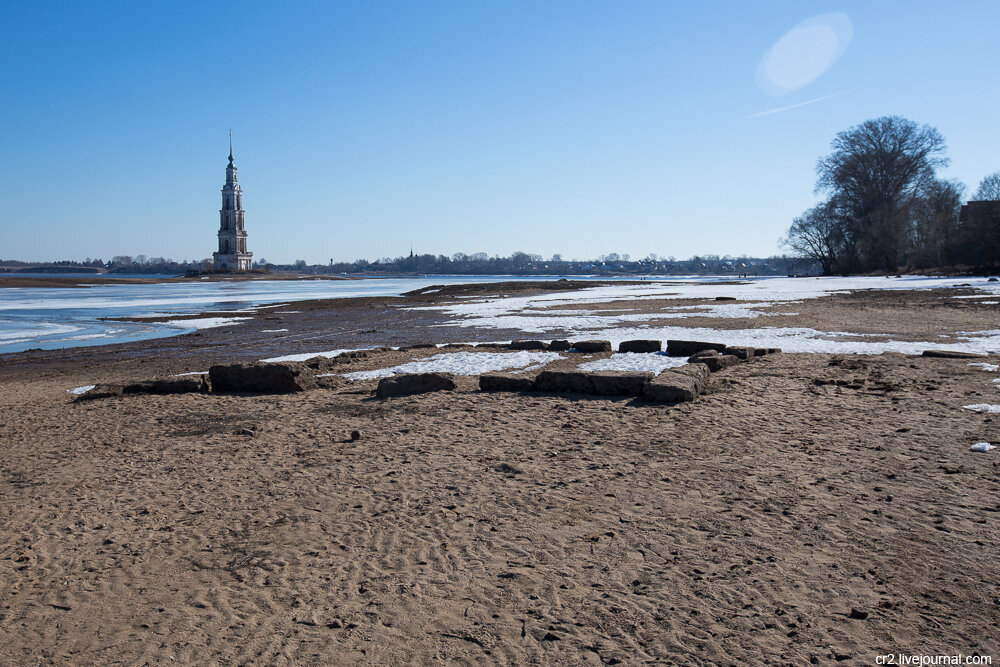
[{"x": 52, "y": 318}]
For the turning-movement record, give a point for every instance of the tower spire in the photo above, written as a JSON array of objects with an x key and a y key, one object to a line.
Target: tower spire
[{"x": 232, "y": 254}]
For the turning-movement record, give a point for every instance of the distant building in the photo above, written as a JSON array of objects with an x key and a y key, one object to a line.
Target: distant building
[
  {"x": 979, "y": 212},
  {"x": 232, "y": 254},
  {"x": 979, "y": 228}
]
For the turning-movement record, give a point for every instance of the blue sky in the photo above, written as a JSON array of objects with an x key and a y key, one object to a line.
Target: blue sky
[{"x": 573, "y": 127}]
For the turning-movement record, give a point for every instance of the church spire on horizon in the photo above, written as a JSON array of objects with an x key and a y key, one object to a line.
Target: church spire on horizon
[{"x": 232, "y": 254}]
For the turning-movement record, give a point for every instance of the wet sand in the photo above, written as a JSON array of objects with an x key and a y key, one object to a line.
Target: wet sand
[{"x": 809, "y": 508}]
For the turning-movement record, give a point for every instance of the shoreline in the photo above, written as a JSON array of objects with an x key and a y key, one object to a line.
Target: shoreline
[{"x": 418, "y": 317}]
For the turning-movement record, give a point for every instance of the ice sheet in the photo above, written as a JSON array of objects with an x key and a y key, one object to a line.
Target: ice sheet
[{"x": 34, "y": 331}]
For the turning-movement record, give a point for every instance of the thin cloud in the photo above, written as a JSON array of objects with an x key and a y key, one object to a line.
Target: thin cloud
[{"x": 795, "y": 106}]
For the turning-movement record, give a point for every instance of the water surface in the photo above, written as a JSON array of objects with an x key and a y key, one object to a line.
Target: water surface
[{"x": 52, "y": 318}]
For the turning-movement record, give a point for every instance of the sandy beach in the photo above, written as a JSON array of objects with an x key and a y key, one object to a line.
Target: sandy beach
[{"x": 818, "y": 508}]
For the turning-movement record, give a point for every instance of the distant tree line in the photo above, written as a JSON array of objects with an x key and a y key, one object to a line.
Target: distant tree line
[
  {"x": 518, "y": 263},
  {"x": 522, "y": 263},
  {"x": 162, "y": 265},
  {"x": 117, "y": 264},
  {"x": 887, "y": 210}
]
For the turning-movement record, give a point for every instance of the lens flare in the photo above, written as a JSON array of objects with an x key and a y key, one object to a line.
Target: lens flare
[{"x": 804, "y": 53}]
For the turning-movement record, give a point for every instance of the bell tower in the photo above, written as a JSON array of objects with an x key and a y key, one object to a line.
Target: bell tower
[{"x": 232, "y": 254}]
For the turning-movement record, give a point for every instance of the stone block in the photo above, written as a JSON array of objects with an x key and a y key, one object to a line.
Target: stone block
[
  {"x": 528, "y": 345},
  {"x": 592, "y": 346},
  {"x": 108, "y": 390},
  {"x": 642, "y": 346},
  {"x": 262, "y": 378},
  {"x": 743, "y": 353},
  {"x": 415, "y": 383},
  {"x": 506, "y": 382},
  {"x": 672, "y": 387},
  {"x": 181, "y": 385},
  {"x": 718, "y": 363},
  {"x": 948, "y": 354},
  {"x": 685, "y": 348},
  {"x": 618, "y": 383},
  {"x": 564, "y": 382}
]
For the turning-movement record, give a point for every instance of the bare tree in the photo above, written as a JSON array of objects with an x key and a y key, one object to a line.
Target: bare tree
[
  {"x": 989, "y": 188},
  {"x": 935, "y": 234},
  {"x": 875, "y": 173},
  {"x": 818, "y": 235}
]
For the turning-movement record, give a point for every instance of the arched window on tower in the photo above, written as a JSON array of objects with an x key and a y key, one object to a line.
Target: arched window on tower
[
  {"x": 239, "y": 201},
  {"x": 225, "y": 203}
]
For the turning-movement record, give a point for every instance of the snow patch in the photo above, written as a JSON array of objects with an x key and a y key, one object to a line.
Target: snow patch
[
  {"x": 81, "y": 390},
  {"x": 329, "y": 354},
  {"x": 206, "y": 322},
  {"x": 535, "y": 314},
  {"x": 461, "y": 363},
  {"x": 656, "y": 362},
  {"x": 533, "y": 367},
  {"x": 985, "y": 366},
  {"x": 983, "y": 407},
  {"x": 982, "y": 447}
]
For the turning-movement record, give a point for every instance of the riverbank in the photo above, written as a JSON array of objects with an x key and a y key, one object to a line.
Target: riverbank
[{"x": 817, "y": 507}]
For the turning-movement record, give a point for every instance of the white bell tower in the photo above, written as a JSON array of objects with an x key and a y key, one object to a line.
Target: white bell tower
[{"x": 232, "y": 254}]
